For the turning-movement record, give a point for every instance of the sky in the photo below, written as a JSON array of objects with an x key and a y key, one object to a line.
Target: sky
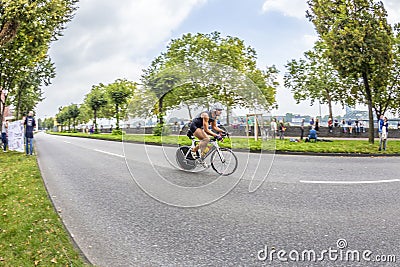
[{"x": 108, "y": 40}]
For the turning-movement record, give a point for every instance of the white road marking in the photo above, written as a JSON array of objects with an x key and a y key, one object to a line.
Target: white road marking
[
  {"x": 350, "y": 182},
  {"x": 67, "y": 142},
  {"x": 109, "y": 153}
]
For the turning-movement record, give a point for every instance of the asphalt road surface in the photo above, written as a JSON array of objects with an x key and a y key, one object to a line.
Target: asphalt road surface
[{"x": 140, "y": 210}]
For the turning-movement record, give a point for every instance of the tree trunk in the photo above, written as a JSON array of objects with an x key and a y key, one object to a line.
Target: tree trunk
[
  {"x": 94, "y": 120},
  {"x": 8, "y": 31},
  {"x": 227, "y": 114},
  {"x": 329, "y": 105},
  {"x": 117, "y": 116},
  {"x": 3, "y": 108},
  {"x": 189, "y": 111},
  {"x": 160, "y": 110},
  {"x": 371, "y": 130}
]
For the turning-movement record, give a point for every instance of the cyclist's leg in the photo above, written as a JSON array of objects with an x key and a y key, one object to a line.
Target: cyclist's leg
[{"x": 204, "y": 139}]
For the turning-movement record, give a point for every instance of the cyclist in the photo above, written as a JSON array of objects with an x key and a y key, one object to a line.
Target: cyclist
[{"x": 200, "y": 128}]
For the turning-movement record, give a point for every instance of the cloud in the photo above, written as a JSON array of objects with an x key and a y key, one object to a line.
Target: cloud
[
  {"x": 393, "y": 9},
  {"x": 289, "y": 8},
  {"x": 297, "y": 8},
  {"x": 309, "y": 40}
]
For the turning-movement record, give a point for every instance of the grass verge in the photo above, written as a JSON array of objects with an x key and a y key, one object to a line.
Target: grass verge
[
  {"x": 31, "y": 232},
  {"x": 336, "y": 146}
]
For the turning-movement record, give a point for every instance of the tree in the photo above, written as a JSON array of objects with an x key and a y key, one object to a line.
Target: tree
[
  {"x": 73, "y": 113},
  {"x": 61, "y": 117},
  {"x": 314, "y": 78},
  {"x": 359, "y": 42},
  {"x": 26, "y": 30},
  {"x": 96, "y": 99},
  {"x": 28, "y": 93},
  {"x": 390, "y": 100},
  {"x": 48, "y": 123},
  {"x": 44, "y": 19},
  {"x": 119, "y": 93},
  {"x": 208, "y": 67}
]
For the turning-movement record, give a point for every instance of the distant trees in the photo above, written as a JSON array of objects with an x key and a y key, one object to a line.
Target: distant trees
[
  {"x": 68, "y": 114},
  {"x": 106, "y": 101},
  {"x": 119, "y": 92}
]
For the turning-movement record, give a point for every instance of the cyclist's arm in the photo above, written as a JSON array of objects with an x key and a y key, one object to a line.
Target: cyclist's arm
[
  {"x": 205, "y": 124},
  {"x": 215, "y": 127}
]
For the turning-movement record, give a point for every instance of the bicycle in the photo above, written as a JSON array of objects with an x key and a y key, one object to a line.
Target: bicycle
[{"x": 223, "y": 160}]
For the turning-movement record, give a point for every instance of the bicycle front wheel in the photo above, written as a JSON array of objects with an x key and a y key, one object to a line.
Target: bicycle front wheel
[{"x": 224, "y": 161}]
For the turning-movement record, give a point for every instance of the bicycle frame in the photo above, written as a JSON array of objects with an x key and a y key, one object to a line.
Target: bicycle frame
[
  {"x": 214, "y": 146},
  {"x": 187, "y": 161}
]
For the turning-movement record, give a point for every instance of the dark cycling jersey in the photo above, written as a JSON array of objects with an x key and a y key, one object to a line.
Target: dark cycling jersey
[{"x": 197, "y": 122}]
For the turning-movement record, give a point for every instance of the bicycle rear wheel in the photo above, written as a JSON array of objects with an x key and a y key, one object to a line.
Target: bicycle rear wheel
[
  {"x": 186, "y": 163},
  {"x": 224, "y": 161}
]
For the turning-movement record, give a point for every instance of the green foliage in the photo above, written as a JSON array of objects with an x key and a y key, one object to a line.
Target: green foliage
[
  {"x": 198, "y": 68},
  {"x": 117, "y": 132},
  {"x": 315, "y": 78},
  {"x": 119, "y": 93},
  {"x": 26, "y": 30},
  {"x": 68, "y": 114},
  {"x": 96, "y": 100},
  {"x": 49, "y": 123},
  {"x": 161, "y": 130}
]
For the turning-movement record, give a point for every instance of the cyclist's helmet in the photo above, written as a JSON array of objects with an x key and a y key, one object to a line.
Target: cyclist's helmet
[{"x": 217, "y": 106}]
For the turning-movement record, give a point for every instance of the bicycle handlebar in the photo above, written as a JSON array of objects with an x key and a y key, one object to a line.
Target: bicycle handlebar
[{"x": 225, "y": 134}]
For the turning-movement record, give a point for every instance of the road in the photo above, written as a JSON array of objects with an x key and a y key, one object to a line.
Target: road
[{"x": 127, "y": 211}]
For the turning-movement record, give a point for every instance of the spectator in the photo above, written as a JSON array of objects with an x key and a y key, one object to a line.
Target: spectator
[
  {"x": 317, "y": 124},
  {"x": 241, "y": 125},
  {"x": 312, "y": 135},
  {"x": 91, "y": 131},
  {"x": 4, "y": 135},
  {"x": 384, "y": 134},
  {"x": 380, "y": 124},
  {"x": 336, "y": 123},
  {"x": 274, "y": 128},
  {"x": 357, "y": 125},
  {"x": 302, "y": 129},
  {"x": 311, "y": 123},
  {"x": 343, "y": 124},
  {"x": 282, "y": 130},
  {"x": 350, "y": 126},
  {"x": 30, "y": 125},
  {"x": 330, "y": 125}
]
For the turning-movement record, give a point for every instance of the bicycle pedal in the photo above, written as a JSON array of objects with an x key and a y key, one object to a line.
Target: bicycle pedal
[
  {"x": 202, "y": 163},
  {"x": 195, "y": 155}
]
